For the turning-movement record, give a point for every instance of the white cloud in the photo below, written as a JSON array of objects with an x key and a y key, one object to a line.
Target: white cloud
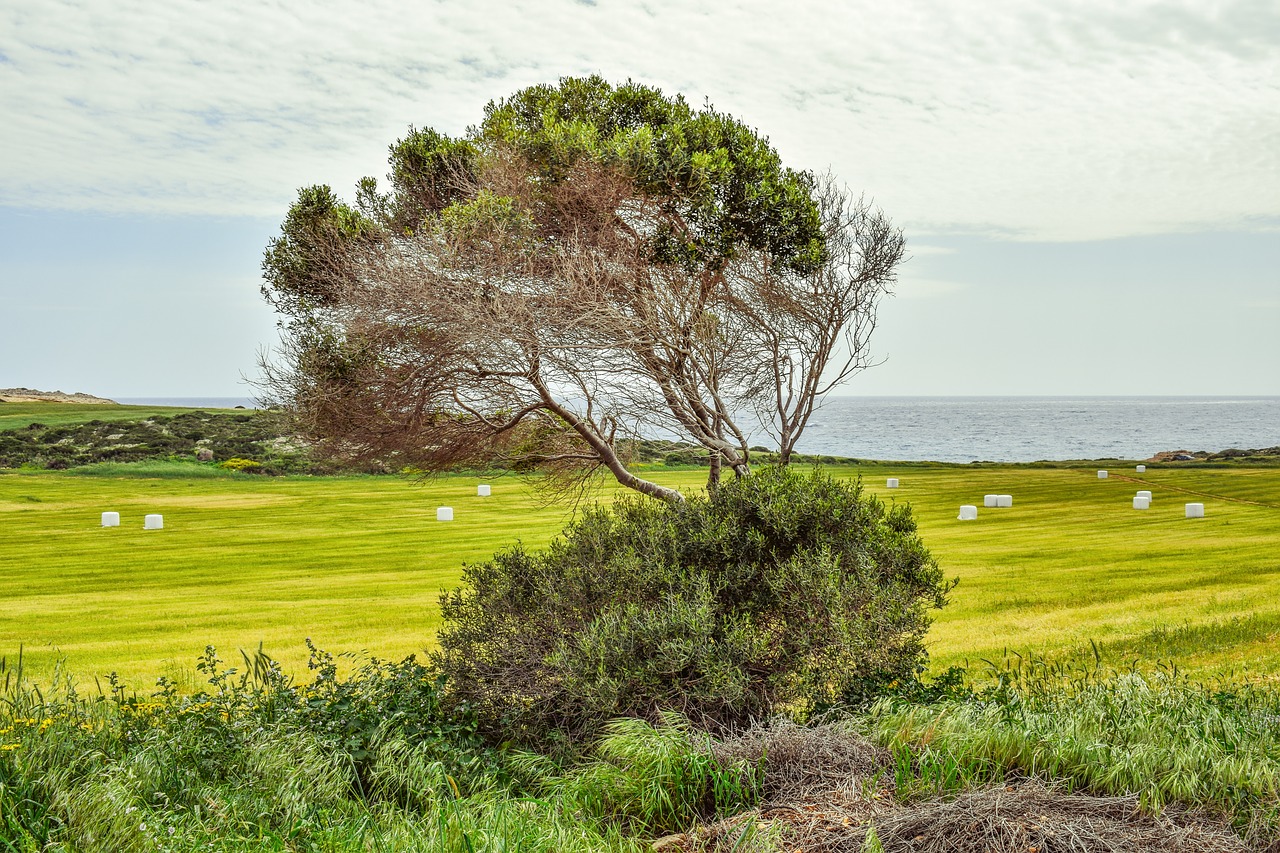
[
  {"x": 921, "y": 249},
  {"x": 911, "y": 287},
  {"x": 1027, "y": 119}
]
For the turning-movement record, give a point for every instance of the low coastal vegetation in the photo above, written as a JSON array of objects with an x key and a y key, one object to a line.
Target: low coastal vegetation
[{"x": 223, "y": 436}]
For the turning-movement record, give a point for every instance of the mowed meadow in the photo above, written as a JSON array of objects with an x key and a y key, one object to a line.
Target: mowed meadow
[{"x": 357, "y": 563}]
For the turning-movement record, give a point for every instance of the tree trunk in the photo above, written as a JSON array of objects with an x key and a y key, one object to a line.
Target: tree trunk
[{"x": 713, "y": 476}]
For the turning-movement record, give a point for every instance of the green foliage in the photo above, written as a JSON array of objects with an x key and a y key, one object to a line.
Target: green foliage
[
  {"x": 658, "y": 779},
  {"x": 483, "y": 216},
  {"x": 303, "y": 266},
  {"x": 725, "y": 181},
  {"x": 713, "y": 173},
  {"x": 1161, "y": 736},
  {"x": 386, "y": 701},
  {"x": 872, "y": 844},
  {"x": 248, "y": 466},
  {"x": 778, "y": 591},
  {"x": 1180, "y": 642},
  {"x": 253, "y": 755},
  {"x": 14, "y": 416},
  {"x": 256, "y": 763},
  {"x": 426, "y": 168}
]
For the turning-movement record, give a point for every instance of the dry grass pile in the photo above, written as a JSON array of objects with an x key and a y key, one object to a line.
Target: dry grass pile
[
  {"x": 824, "y": 788},
  {"x": 1031, "y": 817},
  {"x": 804, "y": 762}
]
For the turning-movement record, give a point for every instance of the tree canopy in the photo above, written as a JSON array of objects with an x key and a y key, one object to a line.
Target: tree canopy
[{"x": 590, "y": 263}]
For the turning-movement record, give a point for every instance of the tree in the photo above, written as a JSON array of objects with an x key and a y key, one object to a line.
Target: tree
[{"x": 589, "y": 264}]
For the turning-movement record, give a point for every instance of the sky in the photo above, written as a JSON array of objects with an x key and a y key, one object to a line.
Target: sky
[{"x": 1090, "y": 191}]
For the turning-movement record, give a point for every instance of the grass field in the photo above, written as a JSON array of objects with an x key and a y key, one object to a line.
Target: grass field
[{"x": 357, "y": 563}]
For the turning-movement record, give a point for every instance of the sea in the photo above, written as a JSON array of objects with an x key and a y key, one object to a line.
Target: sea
[
  {"x": 190, "y": 402},
  {"x": 1000, "y": 429},
  {"x": 1031, "y": 429}
]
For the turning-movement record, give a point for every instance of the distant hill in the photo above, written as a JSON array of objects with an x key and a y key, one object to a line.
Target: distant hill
[{"x": 30, "y": 395}]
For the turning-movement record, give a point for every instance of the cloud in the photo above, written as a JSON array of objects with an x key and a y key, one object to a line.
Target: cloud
[
  {"x": 921, "y": 249},
  {"x": 911, "y": 287},
  {"x": 1027, "y": 119}
]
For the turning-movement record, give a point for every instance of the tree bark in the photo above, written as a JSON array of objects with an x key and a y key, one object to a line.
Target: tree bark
[{"x": 713, "y": 475}]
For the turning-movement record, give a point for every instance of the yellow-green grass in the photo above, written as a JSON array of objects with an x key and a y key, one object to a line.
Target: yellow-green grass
[
  {"x": 18, "y": 415},
  {"x": 1072, "y": 562},
  {"x": 357, "y": 563},
  {"x": 354, "y": 563}
]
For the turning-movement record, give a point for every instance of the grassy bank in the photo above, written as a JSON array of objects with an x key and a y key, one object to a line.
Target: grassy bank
[
  {"x": 357, "y": 563},
  {"x": 375, "y": 763},
  {"x": 19, "y": 415}
]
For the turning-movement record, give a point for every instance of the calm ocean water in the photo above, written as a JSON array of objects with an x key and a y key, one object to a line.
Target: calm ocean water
[
  {"x": 1003, "y": 429},
  {"x": 189, "y": 402},
  {"x": 1030, "y": 429}
]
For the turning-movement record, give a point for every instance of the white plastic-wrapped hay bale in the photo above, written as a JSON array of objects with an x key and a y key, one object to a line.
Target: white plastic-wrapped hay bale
[
  {"x": 891, "y": 483},
  {"x": 444, "y": 513},
  {"x": 968, "y": 512},
  {"x": 111, "y": 519},
  {"x": 153, "y": 522},
  {"x": 1195, "y": 510},
  {"x": 483, "y": 490},
  {"x": 1004, "y": 500},
  {"x": 990, "y": 500},
  {"x": 1141, "y": 469},
  {"x": 1144, "y": 493},
  {"x": 1141, "y": 503},
  {"x": 1102, "y": 475}
]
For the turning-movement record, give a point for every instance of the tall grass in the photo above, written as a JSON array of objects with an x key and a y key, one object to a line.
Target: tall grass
[
  {"x": 657, "y": 779},
  {"x": 253, "y": 763},
  {"x": 1158, "y": 735}
]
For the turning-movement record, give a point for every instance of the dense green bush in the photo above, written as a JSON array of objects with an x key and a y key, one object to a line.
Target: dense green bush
[{"x": 779, "y": 591}]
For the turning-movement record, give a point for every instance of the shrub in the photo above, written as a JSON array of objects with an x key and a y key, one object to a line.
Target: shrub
[
  {"x": 248, "y": 466},
  {"x": 386, "y": 701},
  {"x": 779, "y": 591}
]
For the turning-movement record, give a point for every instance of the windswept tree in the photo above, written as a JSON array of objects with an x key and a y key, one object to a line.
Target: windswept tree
[{"x": 589, "y": 265}]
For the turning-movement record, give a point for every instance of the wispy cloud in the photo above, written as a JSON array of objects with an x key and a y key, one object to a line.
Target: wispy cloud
[
  {"x": 1042, "y": 121},
  {"x": 911, "y": 287}
]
